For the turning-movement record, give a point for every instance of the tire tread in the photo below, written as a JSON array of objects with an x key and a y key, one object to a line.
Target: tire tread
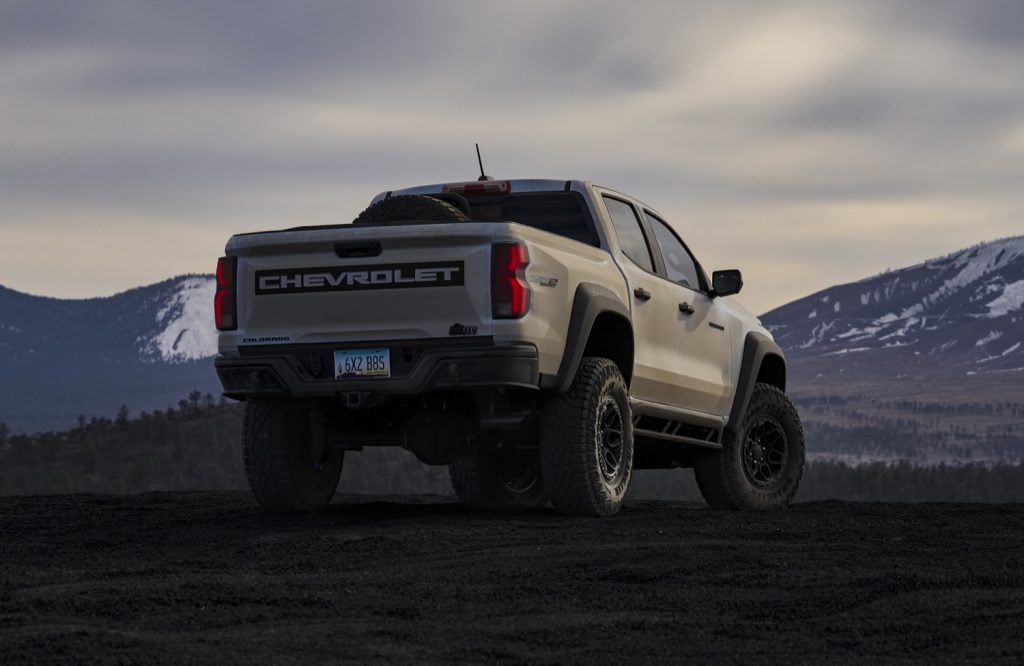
[
  {"x": 410, "y": 207},
  {"x": 568, "y": 464},
  {"x": 271, "y": 429},
  {"x": 722, "y": 482}
]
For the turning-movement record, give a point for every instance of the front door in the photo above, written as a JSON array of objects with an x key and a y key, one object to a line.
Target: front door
[{"x": 702, "y": 336}]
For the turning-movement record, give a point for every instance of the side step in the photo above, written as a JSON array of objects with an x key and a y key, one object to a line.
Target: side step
[{"x": 668, "y": 424}]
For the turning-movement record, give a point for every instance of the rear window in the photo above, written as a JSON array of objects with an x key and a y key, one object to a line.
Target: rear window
[{"x": 562, "y": 213}]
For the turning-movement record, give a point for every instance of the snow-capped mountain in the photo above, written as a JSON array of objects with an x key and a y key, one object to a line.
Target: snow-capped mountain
[
  {"x": 145, "y": 348},
  {"x": 962, "y": 312},
  {"x": 184, "y": 323},
  {"x": 923, "y": 364}
]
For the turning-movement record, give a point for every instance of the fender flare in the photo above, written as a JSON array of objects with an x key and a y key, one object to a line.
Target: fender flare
[
  {"x": 756, "y": 347},
  {"x": 589, "y": 301}
]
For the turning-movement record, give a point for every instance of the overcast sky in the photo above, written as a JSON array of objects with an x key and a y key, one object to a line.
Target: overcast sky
[{"x": 807, "y": 143}]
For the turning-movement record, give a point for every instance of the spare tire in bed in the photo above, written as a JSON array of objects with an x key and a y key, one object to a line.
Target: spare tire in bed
[{"x": 410, "y": 207}]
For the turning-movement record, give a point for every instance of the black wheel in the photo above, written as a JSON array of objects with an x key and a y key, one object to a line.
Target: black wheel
[
  {"x": 410, "y": 207},
  {"x": 586, "y": 442},
  {"x": 759, "y": 467},
  {"x": 495, "y": 480},
  {"x": 284, "y": 473}
]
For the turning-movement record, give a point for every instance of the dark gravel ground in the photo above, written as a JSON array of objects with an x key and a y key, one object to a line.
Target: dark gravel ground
[{"x": 206, "y": 577}]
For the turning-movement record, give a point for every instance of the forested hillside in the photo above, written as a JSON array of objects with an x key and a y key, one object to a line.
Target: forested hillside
[
  {"x": 197, "y": 446},
  {"x": 869, "y": 426}
]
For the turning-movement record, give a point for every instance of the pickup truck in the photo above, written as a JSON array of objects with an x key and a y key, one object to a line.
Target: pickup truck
[{"x": 541, "y": 338}]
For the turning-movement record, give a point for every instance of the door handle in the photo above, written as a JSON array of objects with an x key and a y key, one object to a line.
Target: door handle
[
  {"x": 349, "y": 249},
  {"x": 686, "y": 309},
  {"x": 642, "y": 294}
]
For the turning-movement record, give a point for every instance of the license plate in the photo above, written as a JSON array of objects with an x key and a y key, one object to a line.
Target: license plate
[{"x": 351, "y": 363}]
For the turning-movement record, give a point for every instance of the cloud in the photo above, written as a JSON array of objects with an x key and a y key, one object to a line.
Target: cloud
[{"x": 794, "y": 138}]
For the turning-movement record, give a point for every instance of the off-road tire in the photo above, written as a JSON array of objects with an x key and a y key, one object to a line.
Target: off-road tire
[
  {"x": 277, "y": 458},
  {"x": 577, "y": 441},
  {"x": 493, "y": 480},
  {"x": 410, "y": 207},
  {"x": 759, "y": 467}
]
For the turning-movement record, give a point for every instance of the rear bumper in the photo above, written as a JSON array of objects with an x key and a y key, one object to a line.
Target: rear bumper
[{"x": 417, "y": 367}]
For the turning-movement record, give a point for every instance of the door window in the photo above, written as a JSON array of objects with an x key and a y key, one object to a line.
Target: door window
[
  {"x": 679, "y": 264},
  {"x": 631, "y": 237}
]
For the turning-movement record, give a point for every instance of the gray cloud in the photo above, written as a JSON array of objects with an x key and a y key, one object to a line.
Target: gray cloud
[
  {"x": 989, "y": 23},
  {"x": 833, "y": 125},
  {"x": 229, "y": 42}
]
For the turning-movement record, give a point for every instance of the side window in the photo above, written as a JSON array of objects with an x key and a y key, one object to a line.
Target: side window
[
  {"x": 631, "y": 238},
  {"x": 679, "y": 264}
]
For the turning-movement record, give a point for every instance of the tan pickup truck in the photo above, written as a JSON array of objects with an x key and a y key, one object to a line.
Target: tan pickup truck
[{"x": 542, "y": 338}]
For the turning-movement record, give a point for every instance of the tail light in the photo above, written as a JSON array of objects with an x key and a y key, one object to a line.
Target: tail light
[
  {"x": 478, "y": 188},
  {"x": 510, "y": 292},
  {"x": 224, "y": 305}
]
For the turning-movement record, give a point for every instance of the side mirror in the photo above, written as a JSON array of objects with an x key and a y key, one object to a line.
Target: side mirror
[{"x": 726, "y": 283}]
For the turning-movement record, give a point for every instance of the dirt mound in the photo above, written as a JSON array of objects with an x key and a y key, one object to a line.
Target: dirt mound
[{"x": 173, "y": 577}]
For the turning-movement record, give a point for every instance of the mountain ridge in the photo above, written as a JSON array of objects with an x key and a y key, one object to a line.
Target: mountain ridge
[
  {"x": 965, "y": 306},
  {"x": 924, "y": 363},
  {"x": 143, "y": 348},
  {"x": 180, "y": 328}
]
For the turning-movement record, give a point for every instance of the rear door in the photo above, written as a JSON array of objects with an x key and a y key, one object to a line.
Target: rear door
[{"x": 656, "y": 371}]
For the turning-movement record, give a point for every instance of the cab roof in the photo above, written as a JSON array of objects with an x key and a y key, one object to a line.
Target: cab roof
[{"x": 514, "y": 185}]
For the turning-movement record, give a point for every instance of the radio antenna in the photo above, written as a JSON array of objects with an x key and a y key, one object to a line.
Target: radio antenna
[{"x": 483, "y": 176}]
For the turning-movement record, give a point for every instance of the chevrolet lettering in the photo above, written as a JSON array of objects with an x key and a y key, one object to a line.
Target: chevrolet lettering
[{"x": 445, "y": 274}]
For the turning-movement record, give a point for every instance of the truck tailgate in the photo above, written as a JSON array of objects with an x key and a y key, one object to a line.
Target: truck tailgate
[{"x": 364, "y": 284}]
